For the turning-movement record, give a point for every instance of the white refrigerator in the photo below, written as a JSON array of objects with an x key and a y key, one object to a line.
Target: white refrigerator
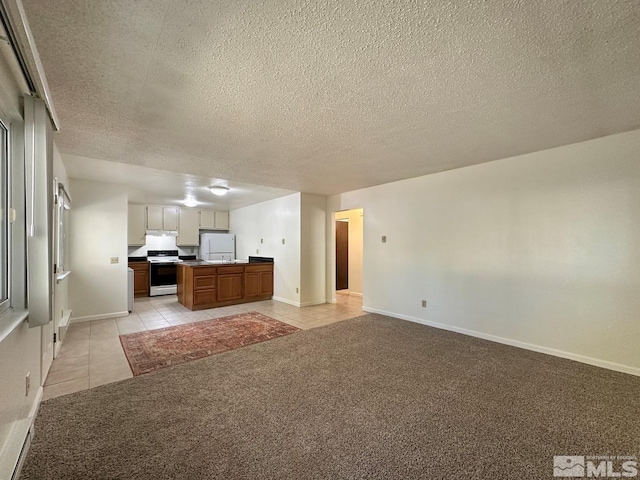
[{"x": 217, "y": 246}]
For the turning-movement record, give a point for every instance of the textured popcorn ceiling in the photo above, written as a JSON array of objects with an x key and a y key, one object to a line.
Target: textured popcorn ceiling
[{"x": 333, "y": 95}]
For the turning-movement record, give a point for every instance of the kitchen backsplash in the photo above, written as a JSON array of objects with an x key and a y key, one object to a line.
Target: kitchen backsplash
[{"x": 161, "y": 243}]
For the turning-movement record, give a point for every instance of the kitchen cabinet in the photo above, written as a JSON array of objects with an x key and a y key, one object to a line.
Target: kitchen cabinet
[
  {"x": 258, "y": 280},
  {"x": 214, "y": 220},
  {"x": 196, "y": 286},
  {"x": 162, "y": 218},
  {"x": 188, "y": 232},
  {"x": 230, "y": 283},
  {"x": 140, "y": 278},
  {"x": 137, "y": 225},
  {"x": 222, "y": 220},
  {"x": 202, "y": 285}
]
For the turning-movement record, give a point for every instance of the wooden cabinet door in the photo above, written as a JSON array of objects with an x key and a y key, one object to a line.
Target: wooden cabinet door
[
  {"x": 188, "y": 233},
  {"x": 207, "y": 219},
  {"x": 140, "y": 279},
  {"x": 266, "y": 283},
  {"x": 136, "y": 225},
  {"x": 221, "y": 220},
  {"x": 252, "y": 284},
  {"x": 229, "y": 287}
]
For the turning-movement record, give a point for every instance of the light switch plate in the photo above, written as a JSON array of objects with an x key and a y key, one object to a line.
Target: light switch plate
[
  {"x": 384, "y": 239},
  {"x": 115, "y": 259}
]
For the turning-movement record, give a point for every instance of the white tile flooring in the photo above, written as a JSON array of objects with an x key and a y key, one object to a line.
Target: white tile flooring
[{"x": 92, "y": 355}]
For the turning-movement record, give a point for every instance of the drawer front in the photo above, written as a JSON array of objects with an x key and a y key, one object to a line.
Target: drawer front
[
  {"x": 258, "y": 268},
  {"x": 230, "y": 269},
  {"x": 202, "y": 282},
  {"x": 204, "y": 271},
  {"x": 204, "y": 296}
]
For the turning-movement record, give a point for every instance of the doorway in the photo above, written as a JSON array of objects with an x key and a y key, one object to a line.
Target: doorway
[
  {"x": 342, "y": 254},
  {"x": 349, "y": 245}
]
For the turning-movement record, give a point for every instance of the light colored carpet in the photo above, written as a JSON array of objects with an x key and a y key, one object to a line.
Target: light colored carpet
[{"x": 372, "y": 397}]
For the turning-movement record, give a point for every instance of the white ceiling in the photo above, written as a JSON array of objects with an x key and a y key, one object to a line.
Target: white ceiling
[
  {"x": 152, "y": 186},
  {"x": 331, "y": 96}
]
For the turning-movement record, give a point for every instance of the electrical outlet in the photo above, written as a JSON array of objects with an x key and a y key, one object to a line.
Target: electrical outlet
[
  {"x": 114, "y": 260},
  {"x": 27, "y": 384},
  {"x": 257, "y": 251},
  {"x": 296, "y": 289},
  {"x": 384, "y": 239},
  {"x": 283, "y": 241},
  {"x": 424, "y": 304},
  {"x": 262, "y": 240}
]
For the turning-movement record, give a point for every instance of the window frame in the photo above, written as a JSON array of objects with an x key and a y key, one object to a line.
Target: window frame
[{"x": 5, "y": 219}]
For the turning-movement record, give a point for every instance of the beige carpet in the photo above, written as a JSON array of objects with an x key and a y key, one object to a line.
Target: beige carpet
[{"x": 371, "y": 397}]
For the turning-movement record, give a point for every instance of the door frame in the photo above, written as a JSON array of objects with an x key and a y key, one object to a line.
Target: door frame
[{"x": 331, "y": 266}]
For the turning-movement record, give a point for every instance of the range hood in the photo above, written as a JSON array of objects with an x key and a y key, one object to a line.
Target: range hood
[{"x": 163, "y": 233}]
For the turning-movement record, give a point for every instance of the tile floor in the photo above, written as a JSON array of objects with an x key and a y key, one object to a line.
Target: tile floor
[{"x": 91, "y": 354}]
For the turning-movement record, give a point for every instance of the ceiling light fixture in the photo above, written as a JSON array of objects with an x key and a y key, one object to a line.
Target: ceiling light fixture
[
  {"x": 190, "y": 202},
  {"x": 218, "y": 190}
]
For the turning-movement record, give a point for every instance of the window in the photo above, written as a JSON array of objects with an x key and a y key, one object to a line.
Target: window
[
  {"x": 4, "y": 219},
  {"x": 63, "y": 204}
]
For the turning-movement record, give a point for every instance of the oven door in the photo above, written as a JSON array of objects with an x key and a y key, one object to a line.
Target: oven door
[{"x": 162, "y": 279}]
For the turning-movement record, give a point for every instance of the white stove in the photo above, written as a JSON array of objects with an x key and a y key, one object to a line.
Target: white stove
[{"x": 162, "y": 272}]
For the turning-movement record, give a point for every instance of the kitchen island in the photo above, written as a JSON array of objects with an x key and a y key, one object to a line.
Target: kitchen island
[{"x": 207, "y": 285}]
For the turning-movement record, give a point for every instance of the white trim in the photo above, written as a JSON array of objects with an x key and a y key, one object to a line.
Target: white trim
[
  {"x": 618, "y": 367},
  {"x": 355, "y": 294},
  {"x": 101, "y": 316},
  {"x": 314, "y": 302},
  {"x": 285, "y": 300}
]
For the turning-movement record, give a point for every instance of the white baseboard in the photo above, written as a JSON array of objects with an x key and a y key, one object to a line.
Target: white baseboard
[
  {"x": 355, "y": 294},
  {"x": 286, "y": 300},
  {"x": 314, "y": 302},
  {"x": 101, "y": 316},
  {"x": 618, "y": 367}
]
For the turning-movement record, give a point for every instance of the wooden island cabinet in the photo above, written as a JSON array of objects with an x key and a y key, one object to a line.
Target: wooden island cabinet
[{"x": 204, "y": 285}]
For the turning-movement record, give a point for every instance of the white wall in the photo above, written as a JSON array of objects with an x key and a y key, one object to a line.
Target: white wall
[
  {"x": 540, "y": 250},
  {"x": 154, "y": 242},
  {"x": 97, "y": 232},
  {"x": 272, "y": 221},
  {"x": 356, "y": 245},
  {"x": 313, "y": 215},
  {"x": 19, "y": 344}
]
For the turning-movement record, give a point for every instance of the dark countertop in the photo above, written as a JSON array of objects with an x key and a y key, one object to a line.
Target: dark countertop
[
  {"x": 136, "y": 259},
  {"x": 202, "y": 263}
]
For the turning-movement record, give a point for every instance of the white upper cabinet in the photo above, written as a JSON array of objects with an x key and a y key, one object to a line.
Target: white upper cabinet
[
  {"x": 207, "y": 220},
  {"x": 212, "y": 220},
  {"x": 222, "y": 221},
  {"x": 136, "y": 225},
  {"x": 162, "y": 218},
  {"x": 188, "y": 232}
]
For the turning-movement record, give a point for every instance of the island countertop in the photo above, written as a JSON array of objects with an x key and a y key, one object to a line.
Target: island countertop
[{"x": 204, "y": 263}]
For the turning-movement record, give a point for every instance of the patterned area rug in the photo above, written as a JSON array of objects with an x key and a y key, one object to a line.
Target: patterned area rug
[{"x": 156, "y": 349}]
